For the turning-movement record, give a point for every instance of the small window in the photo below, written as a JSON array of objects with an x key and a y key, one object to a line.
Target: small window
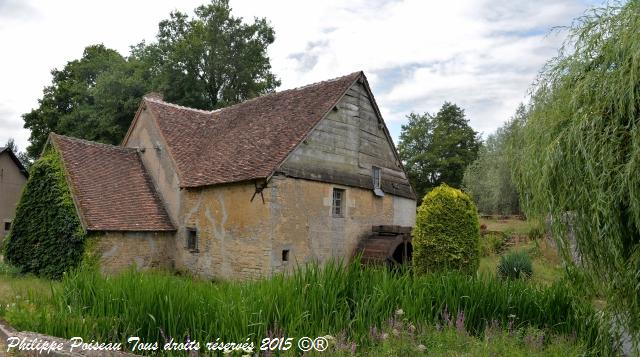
[
  {"x": 285, "y": 255},
  {"x": 377, "y": 177},
  {"x": 192, "y": 240},
  {"x": 7, "y": 226},
  {"x": 338, "y": 202}
]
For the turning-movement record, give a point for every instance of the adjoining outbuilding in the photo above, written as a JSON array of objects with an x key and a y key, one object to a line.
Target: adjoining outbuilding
[
  {"x": 13, "y": 177},
  {"x": 241, "y": 192}
]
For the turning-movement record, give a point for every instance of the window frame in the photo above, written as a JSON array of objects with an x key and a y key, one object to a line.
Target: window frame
[
  {"x": 9, "y": 224},
  {"x": 377, "y": 181},
  {"x": 338, "y": 210},
  {"x": 192, "y": 236}
]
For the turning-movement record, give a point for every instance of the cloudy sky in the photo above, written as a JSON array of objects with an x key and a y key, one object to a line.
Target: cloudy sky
[{"x": 480, "y": 54}]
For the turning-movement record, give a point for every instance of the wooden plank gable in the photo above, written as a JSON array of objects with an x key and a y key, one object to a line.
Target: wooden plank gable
[{"x": 346, "y": 144}]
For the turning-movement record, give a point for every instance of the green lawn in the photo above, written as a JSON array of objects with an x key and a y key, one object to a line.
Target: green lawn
[
  {"x": 15, "y": 287},
  {"x": 509, "y": 226},
  {"x": 547, "y": 265}
]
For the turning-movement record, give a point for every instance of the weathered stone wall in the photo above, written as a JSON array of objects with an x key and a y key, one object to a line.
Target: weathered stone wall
[
  {"x": 145, "y": 135},
  {"x": 239, "y": 239},
  {"x": 120, "y": 250},
  {"x": 234, "y": 234},
  {"x": 305, "y": 225}
]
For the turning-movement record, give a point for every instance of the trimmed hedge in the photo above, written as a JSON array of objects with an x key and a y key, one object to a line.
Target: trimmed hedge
[
  {"x": 447, "y": 233},
  {"x": 46, "y": 238}
]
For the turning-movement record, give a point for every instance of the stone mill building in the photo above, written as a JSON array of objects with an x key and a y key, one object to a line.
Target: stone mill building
[{"x": 245, "y": 191}]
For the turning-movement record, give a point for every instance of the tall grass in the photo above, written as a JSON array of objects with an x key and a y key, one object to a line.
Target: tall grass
[{"x": 311, "y": 302}]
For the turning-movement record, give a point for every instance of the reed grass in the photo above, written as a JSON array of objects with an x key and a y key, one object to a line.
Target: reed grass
[{"x": 313, "y": 301}]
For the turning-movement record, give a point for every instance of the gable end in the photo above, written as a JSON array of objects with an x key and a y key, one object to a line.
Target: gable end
[{"x": 347, "y": 144}]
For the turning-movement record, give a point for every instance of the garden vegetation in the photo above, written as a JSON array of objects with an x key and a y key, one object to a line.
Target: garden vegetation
[
  {"x": 348, "y": 301},
  {"x": 447, "y": 232},
  {"x": 515, "y": 265}
]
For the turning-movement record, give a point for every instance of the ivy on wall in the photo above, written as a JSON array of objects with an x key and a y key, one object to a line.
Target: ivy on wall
[{"x": 47, "y": 238}]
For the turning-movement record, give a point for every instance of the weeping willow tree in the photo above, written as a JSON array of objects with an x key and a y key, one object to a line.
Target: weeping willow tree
[{"x": 580, "y": 164}]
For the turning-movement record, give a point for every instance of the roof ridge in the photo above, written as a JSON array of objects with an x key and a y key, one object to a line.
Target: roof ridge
[
  {"x": 322, "y": 82},
  {"x": 326, "y": 81},
  {"x": 248, "y": 140},
  {"x": 160, "y": 101},
  {"x": 94, "y": 143}
]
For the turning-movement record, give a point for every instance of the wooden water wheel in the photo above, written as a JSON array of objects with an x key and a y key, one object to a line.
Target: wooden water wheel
[{"x": 390, "y": 245}]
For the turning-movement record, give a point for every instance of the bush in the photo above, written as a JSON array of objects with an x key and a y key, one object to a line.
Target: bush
[
  {"x": 515, "y": 265},
  {"x": 492, "y": 242},
  {"x": 447, "y": 233},
  {"x": 46, "y": 238}
]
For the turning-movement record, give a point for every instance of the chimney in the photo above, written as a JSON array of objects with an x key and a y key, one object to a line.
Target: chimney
[{"x": 154, "y": 95}]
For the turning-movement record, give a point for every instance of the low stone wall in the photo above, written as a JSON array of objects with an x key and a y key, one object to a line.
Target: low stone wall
[
  {"x": 120, "y": 250},
  {"x": 31, "y": 341}
]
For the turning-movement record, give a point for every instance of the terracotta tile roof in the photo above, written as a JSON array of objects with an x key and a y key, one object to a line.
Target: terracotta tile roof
[
  {"x": 111, "y": 188},
  {"x": 245, "y": 141}
]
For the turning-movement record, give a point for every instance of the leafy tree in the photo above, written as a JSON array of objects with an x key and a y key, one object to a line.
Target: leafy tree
[
  {"x": 68, "y": 105},
  {"x": 581, "y": 154},
  {"x": 207, "y": 62},
  {"x": 488, "y": 179},
  {"x": 437, "y": 148},
  {"x": 212, "y": 60},
  {"x": 22, "y": 156},
  {"x": 11, "y": 145}
]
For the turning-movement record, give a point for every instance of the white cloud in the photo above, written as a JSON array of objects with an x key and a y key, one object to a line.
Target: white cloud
[{"x": 481, "y": 55}]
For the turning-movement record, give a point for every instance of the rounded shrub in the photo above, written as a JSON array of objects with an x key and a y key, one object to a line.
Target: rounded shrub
[
  {"x": 447, "y": 233},
  {"x": 515, "y": 265}
]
